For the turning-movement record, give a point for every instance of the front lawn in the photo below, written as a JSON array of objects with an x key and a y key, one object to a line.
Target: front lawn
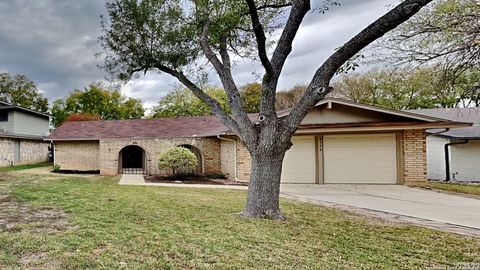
[
  {"x": 55, "y": 222},
  {"x": 23, "y": 167},
  {"x": 473, "y": 189}
]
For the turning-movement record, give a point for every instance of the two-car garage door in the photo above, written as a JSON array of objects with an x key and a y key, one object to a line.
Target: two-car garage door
[{"x": 350, "y": 158}]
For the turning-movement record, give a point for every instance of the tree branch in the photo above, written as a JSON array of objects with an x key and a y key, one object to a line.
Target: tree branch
[
  {"x": 231, "y": 89},
  {"x": 266, "y": 6},
  {"x": 260, "y": 37},
  {"x": 214, "y": 105},
  {"x": 224, "y": 53},
  {"x": 319, "y": 87},
  {"x": 280, "y": 54}
]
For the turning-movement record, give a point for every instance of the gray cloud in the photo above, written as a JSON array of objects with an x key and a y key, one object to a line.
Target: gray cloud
[{"x": 54, "y": 43}]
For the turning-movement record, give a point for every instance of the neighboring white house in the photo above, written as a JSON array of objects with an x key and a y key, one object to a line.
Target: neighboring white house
[
  {"x": 22, "y": 134},
  {"x": 454, "y": 155}
]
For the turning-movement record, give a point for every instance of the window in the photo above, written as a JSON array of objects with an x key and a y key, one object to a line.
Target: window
[{"x": 3, "y": 116}]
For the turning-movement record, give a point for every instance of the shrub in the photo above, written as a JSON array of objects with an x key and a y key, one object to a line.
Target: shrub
[
  {"x": 216, "y": 176},
  {"x": 56, "y": 168},
  {"x": 178, "y": 160}
]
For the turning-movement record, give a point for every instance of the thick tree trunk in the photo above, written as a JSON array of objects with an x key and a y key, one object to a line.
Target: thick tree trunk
[{"x": 264, "y": 186}]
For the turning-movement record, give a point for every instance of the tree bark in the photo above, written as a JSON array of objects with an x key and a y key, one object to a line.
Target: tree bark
[{"x": 264, "y": 186}]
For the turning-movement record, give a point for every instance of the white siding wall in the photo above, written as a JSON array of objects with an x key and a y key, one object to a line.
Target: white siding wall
[
  {"x": 7, "y": 125},
  {"x": 24, "y": 123},
  {"x": 436, "y": 157},
  {"x": 465, "y": 161}
]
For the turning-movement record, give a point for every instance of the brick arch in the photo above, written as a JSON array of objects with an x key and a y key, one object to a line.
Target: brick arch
[
  {"x": 198, "y": 153},
  {"x": 147, "y": 158}
]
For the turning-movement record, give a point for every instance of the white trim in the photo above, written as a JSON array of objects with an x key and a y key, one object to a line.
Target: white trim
[
  {"x": 411, "y": 115},
  {"x": 379, "y": 109}
]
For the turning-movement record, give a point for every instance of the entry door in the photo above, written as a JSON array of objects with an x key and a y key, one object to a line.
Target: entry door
[
  {"x": 16, "y": 152},
  {"x": 360, "y": 159}
]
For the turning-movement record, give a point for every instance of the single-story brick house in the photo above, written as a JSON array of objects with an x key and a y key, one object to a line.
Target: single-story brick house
[
  {"x": 454, "y": 154},
  {"x": 22, "y": 134},
  {"x": 338, "y": 142}
]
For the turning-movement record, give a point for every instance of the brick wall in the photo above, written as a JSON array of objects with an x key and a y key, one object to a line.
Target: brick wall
[
  {"x": 31, "y": 151},
  {"x": 244, "y": 162},
  {"x": 110, "y": 149},
  {"x": 414, "y": 157},
  {"x": 6, "y": 152},
  {"x": 77, "y": 155}
]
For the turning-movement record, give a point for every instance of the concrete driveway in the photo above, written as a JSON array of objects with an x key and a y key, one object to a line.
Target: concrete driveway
[{"x": 414, "y": 203}]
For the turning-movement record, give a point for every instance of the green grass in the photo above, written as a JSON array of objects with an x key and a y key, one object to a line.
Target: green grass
[
  {"x": 455, "y": 187},
  {"x": 107, "y": 226},
  {"x": 23, "y": 167}
]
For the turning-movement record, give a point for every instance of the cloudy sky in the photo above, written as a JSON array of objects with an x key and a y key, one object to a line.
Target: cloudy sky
[{"x": 54, "y": 43}]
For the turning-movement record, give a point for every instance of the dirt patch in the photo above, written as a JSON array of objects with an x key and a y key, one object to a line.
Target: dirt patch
[
  {"x": 5, "y": 176},
  {"x": 18, "y": 216},
  {"x": 202, "y": 181},
  {"x": 38, "y": 260}
]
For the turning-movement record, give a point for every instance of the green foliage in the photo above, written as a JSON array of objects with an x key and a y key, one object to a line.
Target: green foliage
[
  {"x": 19, "y": 90},
  {"x": 445, "y": 32},
  {"x": 182, "y": 102},
  {"x": 94, "y": 100},
  {"x": 56, "y": 168},
  {"x": 177, "y": 159},
  {"x": 144, "y": 35},
  {"x": 251, "y": 95},
  {"x": 407, "y": 89}
]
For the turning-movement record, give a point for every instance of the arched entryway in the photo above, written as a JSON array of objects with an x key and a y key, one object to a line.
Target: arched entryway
[
  {"x": 198, "y": 154},
  {"x": 132, "y": 160}
]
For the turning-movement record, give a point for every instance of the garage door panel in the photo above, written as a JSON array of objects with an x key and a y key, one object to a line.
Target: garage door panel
[
  {"x": 299, "y": 165},
  {"x": 360, "y": 158}
]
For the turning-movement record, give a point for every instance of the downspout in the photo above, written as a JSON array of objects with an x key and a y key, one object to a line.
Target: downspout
[
  {"x": 234, "y": 154},
  {"x": 447, "y": 157},
  {"x": 53, "y": 151}
]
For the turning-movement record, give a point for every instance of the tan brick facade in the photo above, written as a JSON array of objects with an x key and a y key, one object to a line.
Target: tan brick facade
[
  {"x": 78, "y": 155},
  {"x": 110, "y": 149},
  {"x": 31, "y": 151},
  {"x": 217, "y": 155},
  {"x": 414, "y": 157},
  {"x": 244, "y": 162}
]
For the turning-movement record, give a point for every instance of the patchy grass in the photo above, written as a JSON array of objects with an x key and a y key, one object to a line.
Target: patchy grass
[
  {"x": 98, "y": 224},
  {"x": 23, "y": 167},
  {"x": 472, "y": 189}
]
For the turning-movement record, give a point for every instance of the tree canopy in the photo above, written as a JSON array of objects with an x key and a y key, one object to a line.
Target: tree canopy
[
  {"x": 399, "y": 89},
  {"x": 177, "y": 37},
  {"x": 21, "y": 91},
  {"x": 94, "y": 100},
  {"x": 445, "y": 34},
  {"x": 182, "y": 102}
]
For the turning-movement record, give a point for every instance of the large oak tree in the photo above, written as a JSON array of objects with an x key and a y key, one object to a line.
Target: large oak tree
[{"x": 174, "y": 37}]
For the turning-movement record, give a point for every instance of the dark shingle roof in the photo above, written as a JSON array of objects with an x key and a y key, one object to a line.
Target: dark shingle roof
[
  {"x": 6, "y": 105},
  {"x": 470, "y": 115},
  {"x": 202, "y": 126}
]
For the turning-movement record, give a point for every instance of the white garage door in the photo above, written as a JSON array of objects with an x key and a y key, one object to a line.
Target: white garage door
[
  {"x": 299, "y": 163},
  {"x": 360, "y": 159}
]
